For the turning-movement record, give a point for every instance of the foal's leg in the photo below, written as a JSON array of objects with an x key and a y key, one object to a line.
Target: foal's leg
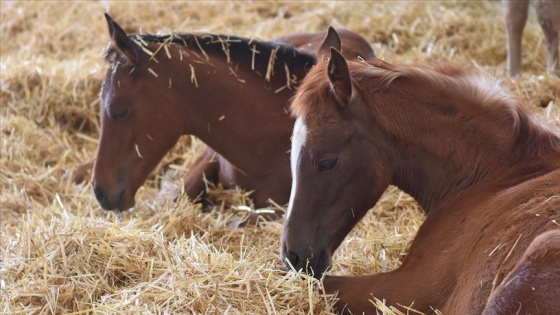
[
  {"x": 549, "y": 18},
  {"x": 515, "y": 15},
  {"x": 356, "y": 295},
  {"x": 533, "y": 286},
  {"x": 205, "y": 168}
]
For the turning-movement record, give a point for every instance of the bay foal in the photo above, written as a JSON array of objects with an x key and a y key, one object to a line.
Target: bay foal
[{"x": 230, "y": 92}]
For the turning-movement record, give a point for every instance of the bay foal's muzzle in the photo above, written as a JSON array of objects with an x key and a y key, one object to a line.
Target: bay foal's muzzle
[
  {"x": 108, "y": 200},
  {"x": 304, "y": 260}
]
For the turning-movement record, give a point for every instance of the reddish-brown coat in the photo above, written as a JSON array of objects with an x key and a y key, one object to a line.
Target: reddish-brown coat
[
  {"x": 222, "y": 89},
  {"x": 485, "y": 171}
]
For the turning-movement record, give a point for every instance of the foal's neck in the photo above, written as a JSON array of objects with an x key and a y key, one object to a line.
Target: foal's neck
[
  {"x": 234, "y": 94},
  {"x": 446, "y": 143}
]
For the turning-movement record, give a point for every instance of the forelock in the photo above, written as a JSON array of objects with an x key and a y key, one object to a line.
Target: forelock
[{"x": 313, "y": 95}]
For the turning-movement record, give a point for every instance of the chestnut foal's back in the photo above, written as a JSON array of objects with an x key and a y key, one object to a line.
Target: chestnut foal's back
[{"x": 486, "y": 173}]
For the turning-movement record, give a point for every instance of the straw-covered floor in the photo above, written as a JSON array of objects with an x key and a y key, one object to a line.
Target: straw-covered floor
[{"x": 60, "y": 253}]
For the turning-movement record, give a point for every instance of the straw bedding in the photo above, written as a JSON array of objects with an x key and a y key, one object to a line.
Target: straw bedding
[{"x": 60, "y": 253}]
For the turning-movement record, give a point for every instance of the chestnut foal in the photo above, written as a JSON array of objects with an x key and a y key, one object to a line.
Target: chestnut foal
[{"x": 484, "y": 170}]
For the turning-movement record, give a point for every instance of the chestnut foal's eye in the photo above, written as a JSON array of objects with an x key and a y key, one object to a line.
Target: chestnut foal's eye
[
  {"x": 327, "y": 165},
  {"x": 119, "y": 114}
]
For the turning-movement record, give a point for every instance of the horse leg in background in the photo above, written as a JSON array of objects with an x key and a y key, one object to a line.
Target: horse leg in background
[
  {"x": 204, "y": 169},
  {"x": 548, "y": 12},
  {"x": 536, "y": 277},
  {"x": 515, "y": 15},
  {"x": 82, "y": 172}
]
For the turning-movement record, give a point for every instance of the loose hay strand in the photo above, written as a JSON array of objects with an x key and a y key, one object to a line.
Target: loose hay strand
[
  {"x": 270, "y": 67},
  {"x": 201, "y": 49},
  {"x": 193, "y": 76},
  {"x": 254, "y": 51},
  {"x": 495, "y": 281},
  {"x": 153, "y": 72}
]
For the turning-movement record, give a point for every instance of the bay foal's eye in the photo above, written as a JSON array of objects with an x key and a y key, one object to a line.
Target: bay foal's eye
[
  {"x": 119, "y": 114},
  {"x": 327, "y": 165}
]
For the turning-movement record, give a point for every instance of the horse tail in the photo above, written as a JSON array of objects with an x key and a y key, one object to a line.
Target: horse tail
[{"x": 533, "y": 286}]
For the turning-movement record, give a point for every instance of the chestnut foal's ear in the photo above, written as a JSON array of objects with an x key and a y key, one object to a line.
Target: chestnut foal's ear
[
  {"x": 331, "y": 40},
  {"x": 339, "y": 76},
  {"x": 122, "y": 42}
]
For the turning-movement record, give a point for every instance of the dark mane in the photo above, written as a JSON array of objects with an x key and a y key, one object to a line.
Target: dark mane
[{"x": 228, "y": 46}]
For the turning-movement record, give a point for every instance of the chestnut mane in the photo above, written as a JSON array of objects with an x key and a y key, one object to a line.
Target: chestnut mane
[{"x": 450, "y": 89}]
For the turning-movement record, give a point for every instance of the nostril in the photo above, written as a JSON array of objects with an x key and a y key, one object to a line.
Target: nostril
[
  {"x": 98, "y": 193},
  {"x": 294, "y": 260}
]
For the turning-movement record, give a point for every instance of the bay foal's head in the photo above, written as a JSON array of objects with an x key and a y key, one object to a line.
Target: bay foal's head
[
  {"x": 337, "y": 174},
  {"x": 138, "y": 124}
]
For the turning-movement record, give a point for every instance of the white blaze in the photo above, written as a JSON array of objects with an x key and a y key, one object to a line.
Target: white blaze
[{"x": 298, "y": 140}]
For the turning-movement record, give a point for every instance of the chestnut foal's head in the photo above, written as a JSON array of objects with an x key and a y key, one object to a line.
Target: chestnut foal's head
[{"x": 336, "y": 169}]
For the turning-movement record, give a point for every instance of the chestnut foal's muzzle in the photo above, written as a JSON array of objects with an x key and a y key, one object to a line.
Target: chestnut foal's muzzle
[{"x": 314, "y": 265}]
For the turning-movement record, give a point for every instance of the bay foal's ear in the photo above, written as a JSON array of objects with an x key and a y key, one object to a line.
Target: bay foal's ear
[
  {"x": 122, "y": 42},
  {"x": 331, "y": 40},
  {"x": 339, "y": 76}
]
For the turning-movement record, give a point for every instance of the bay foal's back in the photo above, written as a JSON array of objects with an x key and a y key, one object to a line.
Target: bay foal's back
[
  {"x": 230, "y": 92},
  {"x": 484, "y": 170}
]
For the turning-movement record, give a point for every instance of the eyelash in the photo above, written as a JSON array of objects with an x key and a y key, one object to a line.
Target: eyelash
[
  {"x": 327, "y": 165},
  {"x": 119, "y": 114}
]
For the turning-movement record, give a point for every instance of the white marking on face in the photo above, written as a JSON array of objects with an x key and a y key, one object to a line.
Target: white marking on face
[{"x": 298, "y": 140}]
